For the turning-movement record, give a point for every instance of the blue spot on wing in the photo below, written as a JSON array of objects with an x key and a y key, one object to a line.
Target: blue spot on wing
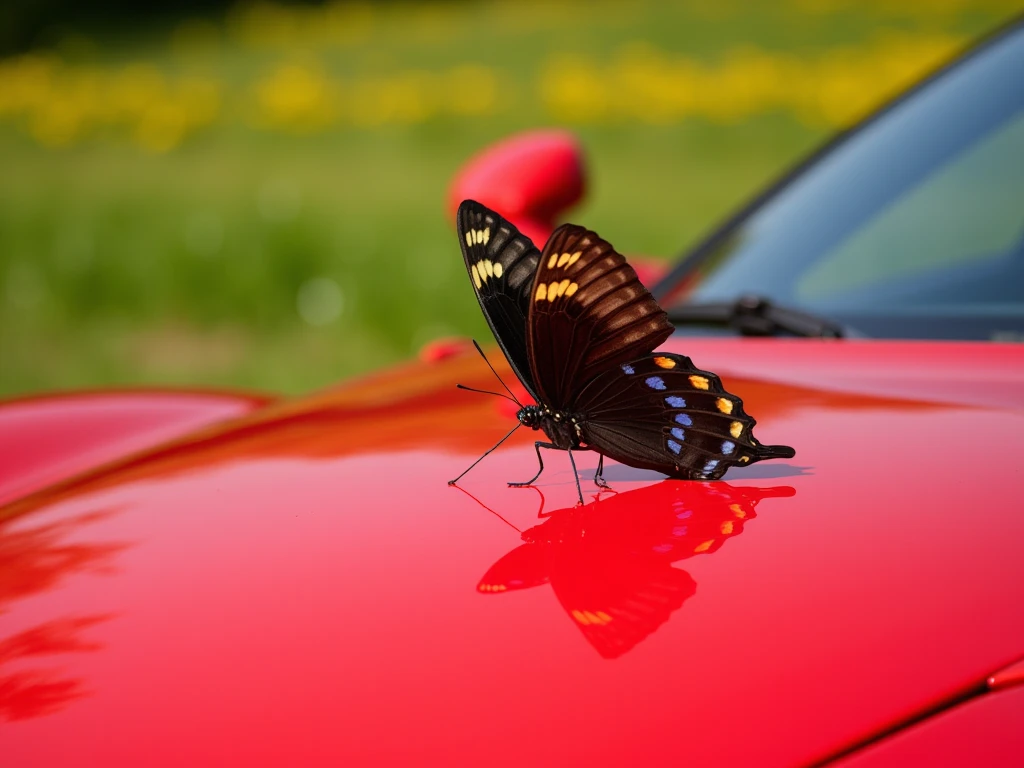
[
  {"x": 728, "y": 446},
  {"x": 678, "y": 433},
  {"x": 684, "y": 419},
  {"x": 710, "y": 466},
  {"x": 655, "y": 382},
  {"x": 627, "y": 368},
  {"x": 675, "y": 401},
  {"x": 674, "y": 446}
]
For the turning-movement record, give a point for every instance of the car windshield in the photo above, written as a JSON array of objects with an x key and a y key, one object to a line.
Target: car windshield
[{"x": 913, "y": 227}]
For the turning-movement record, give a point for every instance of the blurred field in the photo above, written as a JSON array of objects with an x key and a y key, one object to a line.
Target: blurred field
[{"x": 257, "y": 200}]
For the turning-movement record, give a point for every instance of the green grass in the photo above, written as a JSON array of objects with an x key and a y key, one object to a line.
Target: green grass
[{"x": 123, "y": 267}]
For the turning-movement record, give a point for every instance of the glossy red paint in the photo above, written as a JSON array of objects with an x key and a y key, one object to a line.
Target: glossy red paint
[
  {"x": 46, "y": 439},
  {"x": 529, "y": 178},
  {"x": 301, "y": 586},
  {"x": 986, "y": 731},
  {"x": 1008, "y": 677}
]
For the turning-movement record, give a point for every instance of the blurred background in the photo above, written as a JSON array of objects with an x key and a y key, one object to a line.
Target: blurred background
[{"x": 253, "y": 194}]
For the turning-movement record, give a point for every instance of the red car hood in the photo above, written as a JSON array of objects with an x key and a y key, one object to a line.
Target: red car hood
[{"x": 301, "y": 586}]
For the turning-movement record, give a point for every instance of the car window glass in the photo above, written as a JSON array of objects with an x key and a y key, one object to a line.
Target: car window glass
[
  {"x": 910, "y": 228},
  {"x": 968, "y": 213}
]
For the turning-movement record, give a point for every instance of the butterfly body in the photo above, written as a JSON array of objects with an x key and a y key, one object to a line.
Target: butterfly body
[
  {"x": 564, "y": 429},
  {"x": 579, "y": 329}
]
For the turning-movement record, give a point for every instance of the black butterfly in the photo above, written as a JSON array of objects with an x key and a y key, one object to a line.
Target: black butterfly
[{"x": 578, "y": 329}]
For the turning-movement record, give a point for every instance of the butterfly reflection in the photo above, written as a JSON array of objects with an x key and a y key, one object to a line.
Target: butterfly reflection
[{"x": 610, "y": 562}]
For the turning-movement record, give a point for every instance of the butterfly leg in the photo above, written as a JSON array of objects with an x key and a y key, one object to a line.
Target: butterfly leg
[
  {"x": 599, "y": 481},
  {"x": 575, "y": 476},
  {"x": 537, "y": 446}
]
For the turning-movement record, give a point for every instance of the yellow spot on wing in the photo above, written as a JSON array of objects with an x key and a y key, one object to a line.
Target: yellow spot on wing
[
  {"x": 704, "y": 547},
  {"x": 738, "y": 510},
  {"x": 563, "y": 259},
  {"x": 542, "y": 292},
  {"x": 476, "y": 277},
  {"x": 469, "y": 237},
  {"x": 736, "y": 429},
  {"x": 744, "y": 459},
  {"x": 487, "y": 235},
  {"x": 699, "y": 382},
  {"x": 489, "y": 267},
  {"x": 604, "y": 617},
  {"x": 552, "y": 261},
  {"x": 552, "y": 291},
  {"x": 497, "y": 269},
  {"x": 574, "y": 258},
  {"x": 727, "y": 527},
  {"x": 580, "y": 617},
  {"x": 665, "y": 362},
  {"x": 562, "y": 286},
  {"x": 725, "y": 406},
  {"x": 571, "y": 289}
]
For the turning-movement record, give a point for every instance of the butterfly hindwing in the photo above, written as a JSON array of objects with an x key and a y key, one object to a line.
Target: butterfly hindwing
[
  {"x": 501, "y": 263},
  {"x": 660, "y": 412},
  {"x": 588, "y": 312}
]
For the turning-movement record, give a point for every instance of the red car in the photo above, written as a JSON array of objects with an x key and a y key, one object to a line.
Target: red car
[{"x": 192, "y": 578}]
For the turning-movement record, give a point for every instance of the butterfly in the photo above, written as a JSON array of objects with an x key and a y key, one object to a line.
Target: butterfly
[
  {"x": 579, "y": 330},
  {"x": 609, "y": 563}
]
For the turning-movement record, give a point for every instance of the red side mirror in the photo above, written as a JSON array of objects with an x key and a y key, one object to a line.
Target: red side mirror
[{"x": 529, "y": 179}]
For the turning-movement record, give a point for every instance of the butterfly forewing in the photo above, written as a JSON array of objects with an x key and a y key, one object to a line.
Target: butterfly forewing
[
  {"x": 588, "y": 312},
  {"x": 501, "y": 263},
  {"x": 660, "y": 412}
]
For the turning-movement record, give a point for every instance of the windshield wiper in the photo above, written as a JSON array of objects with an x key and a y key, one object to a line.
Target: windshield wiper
[{"x": 756, "y": 316}]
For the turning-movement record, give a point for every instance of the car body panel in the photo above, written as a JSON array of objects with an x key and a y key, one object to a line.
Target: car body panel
[
  {"x": 301, "y": 585},
  {"x": 53, "y": 437},
  {"x": 986, "y": 731}
]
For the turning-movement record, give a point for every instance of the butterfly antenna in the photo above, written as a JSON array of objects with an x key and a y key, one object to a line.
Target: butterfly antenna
[
  {"x": 475, "y": 344},
  {"x": 487, "y": 392},
  {"x": 506, "y": 437}
]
